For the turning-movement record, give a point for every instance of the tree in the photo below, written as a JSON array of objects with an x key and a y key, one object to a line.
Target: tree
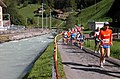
[
  {"x": 73, "y": 4},
  {"x": 71, "y": 21},
  {"x": 51, "y": 3},
  {"x": 12, "y": 10}
]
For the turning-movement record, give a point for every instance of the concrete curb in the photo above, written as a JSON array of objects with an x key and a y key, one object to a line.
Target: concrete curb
[{"x": 111, "y": 60}]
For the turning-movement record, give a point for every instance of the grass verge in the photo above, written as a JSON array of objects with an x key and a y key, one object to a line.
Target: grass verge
[
  {"x": 60, "y": 66},
  {"x": 114, "y": 49},
  {"x": 42, "y": 68}
]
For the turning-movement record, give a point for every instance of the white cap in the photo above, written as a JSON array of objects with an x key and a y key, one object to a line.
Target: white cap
[{"x": 106, "y": 23}]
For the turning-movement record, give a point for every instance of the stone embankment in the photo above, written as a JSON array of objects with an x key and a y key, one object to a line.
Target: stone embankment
[{"x": 13, "y": 35}]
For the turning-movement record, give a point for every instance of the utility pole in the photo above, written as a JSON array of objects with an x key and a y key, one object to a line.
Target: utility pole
[
  {"x": 50, "y": 18},
  {"x": 38, "y": 21},
  {"x": 42, "y": 16},
  {"x": 46, "y": 22}
]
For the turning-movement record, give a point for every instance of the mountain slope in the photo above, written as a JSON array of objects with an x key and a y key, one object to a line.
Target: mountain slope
[{"x": 96, "y": 12}]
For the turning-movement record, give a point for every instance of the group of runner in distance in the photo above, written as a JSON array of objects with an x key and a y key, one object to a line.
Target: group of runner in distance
[
  {"x": 103, "y": 40},
  {"x": 74, "y": 35}
]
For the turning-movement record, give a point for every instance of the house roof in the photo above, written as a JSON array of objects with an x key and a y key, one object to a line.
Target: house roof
[
  {"x": 2, "y": 4},
  {"x": 58, "y": 11}
]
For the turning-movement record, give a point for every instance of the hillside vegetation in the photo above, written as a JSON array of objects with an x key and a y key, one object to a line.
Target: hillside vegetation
[
  {"x": 96, "y": 12},
  {"x": 31, "y": 19}
]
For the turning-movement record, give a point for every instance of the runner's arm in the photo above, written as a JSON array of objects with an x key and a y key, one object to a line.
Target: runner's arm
[
  {"x": 94, "y": 34},
  {"x": 111, "y": 39},
  {"x": 99, "y": 37}
]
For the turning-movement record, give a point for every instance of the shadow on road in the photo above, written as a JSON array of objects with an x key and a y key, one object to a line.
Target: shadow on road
[
  {"x": 75, "y": 52},
  {"x": 101, "y": 71},
  {"x": 75, "y": 64},
  {"x": 93, "y": 68}
]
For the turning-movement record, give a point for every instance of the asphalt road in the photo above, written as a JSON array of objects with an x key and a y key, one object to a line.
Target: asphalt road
[
  {"x": 17, "y": 57},
  {"x": 79, "y": 64}
]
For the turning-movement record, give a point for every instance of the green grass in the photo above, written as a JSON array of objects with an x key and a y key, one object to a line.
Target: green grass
[
  {"x": 87, "y": 32},
  {"x": 114, "y": 49},
  {"x": 28, "y": 12},
  {"x": 60, "y": 67},
  {"x": 93, "y": 13},
  {"x": 42, "y": 68},
  {"x": 96, "y": 12}
]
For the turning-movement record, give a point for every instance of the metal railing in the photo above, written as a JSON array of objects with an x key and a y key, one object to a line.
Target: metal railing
[{"x": 56, "y": 74}]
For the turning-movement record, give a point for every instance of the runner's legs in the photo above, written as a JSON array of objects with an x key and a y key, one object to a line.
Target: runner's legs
[{"x": 101, "y": 56}]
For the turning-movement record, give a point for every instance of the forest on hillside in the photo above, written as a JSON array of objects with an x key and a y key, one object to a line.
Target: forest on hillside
[
  {"x": 61, "y": 4},
  {"x": 65, "y": 5}
]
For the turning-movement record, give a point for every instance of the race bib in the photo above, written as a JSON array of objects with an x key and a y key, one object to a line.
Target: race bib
[
  {"x": 65, "y": 36},
  {"x": 81, "y": 38},
  {"x": 106, "y": 40}
]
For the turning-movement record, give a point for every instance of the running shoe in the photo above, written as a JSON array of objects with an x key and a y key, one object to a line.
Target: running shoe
[
  {"x": 103, "y": 60},
  {"x": 95, "y": 51},
  {"x": 101, "y": 64},
  {"x": 98, "y": 51},
  {"x": 81, "y": 47}
]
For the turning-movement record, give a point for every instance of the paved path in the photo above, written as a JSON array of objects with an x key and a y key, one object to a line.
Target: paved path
[
  {"x": 81, "y": 65},
  {"x": 16, "y": 57}
]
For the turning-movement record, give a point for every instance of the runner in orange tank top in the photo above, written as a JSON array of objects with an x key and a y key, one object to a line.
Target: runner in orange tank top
[
  {"x": 68, "y": 36},
  {"x": 105, "y": 37}
]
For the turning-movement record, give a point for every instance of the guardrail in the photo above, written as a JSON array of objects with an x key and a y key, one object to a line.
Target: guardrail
[{"x": 55, "y": 59}]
